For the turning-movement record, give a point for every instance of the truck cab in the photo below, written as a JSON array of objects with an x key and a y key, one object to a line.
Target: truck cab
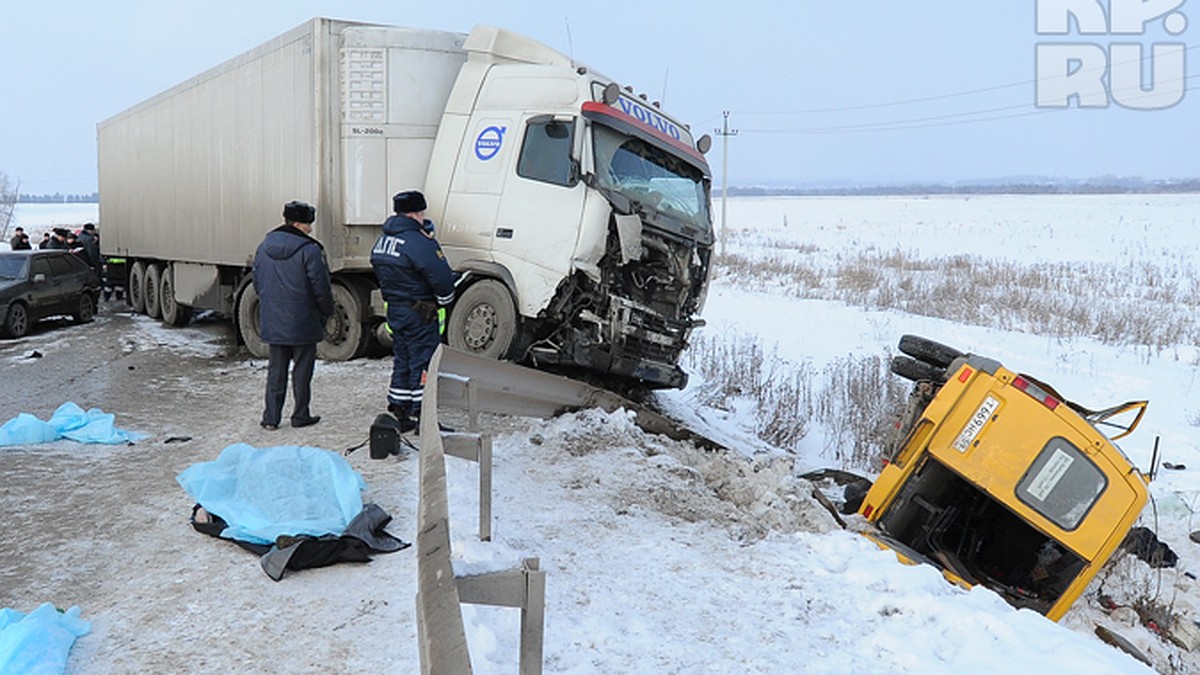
[
  {"x": 998, "y": 480},
  {"x": 577, "y": 213}
]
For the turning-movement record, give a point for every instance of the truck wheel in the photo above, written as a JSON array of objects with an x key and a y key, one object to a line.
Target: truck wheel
[
  {"x": 137, "y": 287},
  {"x": 153, "y": 288},
  {"x": 173, "y": 313},
  {"x": 912, "y": 369},
  {"x": 345, "y": 336},
  {"x": 16, "y": 323},
  {"x": 484, "y": 321},
  {"x": 927, "y": 350},
  {"x": 247, "y": 321}
]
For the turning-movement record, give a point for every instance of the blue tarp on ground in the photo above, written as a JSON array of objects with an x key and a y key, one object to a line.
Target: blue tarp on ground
[
  {"x": 264, "y": 493},
  {"x": 38, "y": 643},
  {"x": 69, "y": 421}
]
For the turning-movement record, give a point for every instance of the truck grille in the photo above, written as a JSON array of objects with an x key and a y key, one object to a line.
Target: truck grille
[{"x": 641, "y": 333}]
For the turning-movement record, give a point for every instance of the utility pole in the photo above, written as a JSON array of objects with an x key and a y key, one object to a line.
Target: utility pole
[{"x": 724, "y": 132}]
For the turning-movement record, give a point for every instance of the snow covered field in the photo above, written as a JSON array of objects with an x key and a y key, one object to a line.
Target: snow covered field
[{"x": 662, "y": 558}]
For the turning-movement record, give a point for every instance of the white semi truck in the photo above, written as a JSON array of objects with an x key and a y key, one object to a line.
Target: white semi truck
[{"x": 576, "y": 212}]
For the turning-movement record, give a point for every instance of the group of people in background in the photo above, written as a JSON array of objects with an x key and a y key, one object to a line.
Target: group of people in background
[
  {"x": 291, "y": 278},
  {"x": 85, "y": 244}
]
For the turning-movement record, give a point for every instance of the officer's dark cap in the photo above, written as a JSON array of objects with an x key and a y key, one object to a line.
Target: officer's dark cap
[
  {"x": 409, "y": 201},
  {"x": 299, "y": 212}
]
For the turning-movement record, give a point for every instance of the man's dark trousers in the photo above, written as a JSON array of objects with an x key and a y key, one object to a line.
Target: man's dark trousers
[
  {"x": 414, "y": 340},
  {"x": 303, "y": 358}
]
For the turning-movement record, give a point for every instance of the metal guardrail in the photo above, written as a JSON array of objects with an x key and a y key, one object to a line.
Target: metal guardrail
[
  {"x": 440, "y": 630},
  {"x": 508, "y": 389}
]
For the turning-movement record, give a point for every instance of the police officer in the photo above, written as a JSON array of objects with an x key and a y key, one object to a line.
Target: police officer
[
  {"x": 295, "y": 299},
  {"x": 415, "y": 280}
]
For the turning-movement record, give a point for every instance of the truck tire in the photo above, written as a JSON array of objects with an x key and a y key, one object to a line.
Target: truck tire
[
  {"x": 173, "y": 313},
  {"x": 153, "y": 288},
  {"x": 484, "y": 321},
  {"x": 137, "y": 287},
  {"x": 912, "y": 369},
  {"x": 345, "y": 335},
  {"x": 924, "y": 349},
  {"x": 247, "y": 322}
]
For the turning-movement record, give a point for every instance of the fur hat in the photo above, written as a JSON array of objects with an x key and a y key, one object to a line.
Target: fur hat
[
  {"x": 299, "y": 212},
  {"x": 89, "y": 226},
  {"x": 409, "y": 201}
]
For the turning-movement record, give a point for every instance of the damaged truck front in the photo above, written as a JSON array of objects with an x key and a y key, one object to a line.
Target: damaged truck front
[
  {"x": 582, "y": 229},
  {"x": 998, "y": 480}
]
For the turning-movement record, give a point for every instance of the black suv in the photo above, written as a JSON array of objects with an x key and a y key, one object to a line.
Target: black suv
[{"x": 38, "y": 284}]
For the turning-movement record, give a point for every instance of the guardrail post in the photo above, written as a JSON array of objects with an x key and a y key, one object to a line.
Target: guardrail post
[
  {"x": 472, "y": 406},
  {"x": 524, "y": 587},
  {"x": 485, "y": 488},
  {"x": 475, "y": 448},
  {"x": 533, "y": 618}
]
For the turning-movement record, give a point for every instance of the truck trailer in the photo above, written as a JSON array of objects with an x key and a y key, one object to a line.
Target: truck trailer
[{"x": 576, "y": 212}]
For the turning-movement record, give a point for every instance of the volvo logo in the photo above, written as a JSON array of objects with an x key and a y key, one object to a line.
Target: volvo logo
[{"x": 487, "y": 143}]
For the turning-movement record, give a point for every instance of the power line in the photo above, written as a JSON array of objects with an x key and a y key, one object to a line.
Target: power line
[
  {"x": 949, "y": 119},
  {"x": 725, "y": 133},
  {"x": 936, "y": 97}
]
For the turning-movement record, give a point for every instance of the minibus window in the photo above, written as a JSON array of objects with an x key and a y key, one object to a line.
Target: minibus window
[{"x": 1062, "y": 484}]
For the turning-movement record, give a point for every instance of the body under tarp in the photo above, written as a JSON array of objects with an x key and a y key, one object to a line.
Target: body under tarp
[{"x": 296, "y": 506}]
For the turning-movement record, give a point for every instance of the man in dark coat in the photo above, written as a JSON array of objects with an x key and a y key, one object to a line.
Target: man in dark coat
[
  {"x": 291, "y": 278},
  {"x": 415, "y": 280},
  {"x": 20, "y": 240},
  {"x": 90, "y": 241},
  {"x": 58, "y": 239}
]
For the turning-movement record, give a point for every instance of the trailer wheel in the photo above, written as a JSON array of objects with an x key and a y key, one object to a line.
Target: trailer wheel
[
  {"x": 137, "y": 287},
  {"x": 173, "y": 313},
  {"x": 924, "y": 349},
  {"x": 912, "y": 369},
  {"x": 153, "y": 289},
  {"x": 484, "y": 321},
  {"x": 247, "y": 318},
  {"x": 345, "y": 336}
]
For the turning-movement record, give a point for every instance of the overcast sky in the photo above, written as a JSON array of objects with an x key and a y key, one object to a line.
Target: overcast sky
[{"x": 820, "y": 92}]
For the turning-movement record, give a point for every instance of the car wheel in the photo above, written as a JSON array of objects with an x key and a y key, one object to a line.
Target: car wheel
[
  {"x": 137, "y": 287},
  {"x": 912, "y": 369},
  {"x": 85, "y": 309},
  {"x": 153, "y": 289},
  {"x": 173, "y": 313},
  {"x": 924, "y": 349},
  {"x": 16, "y": 324},
  {"x": 247, "y": 323},
  {"x": 484, "y": 321}
]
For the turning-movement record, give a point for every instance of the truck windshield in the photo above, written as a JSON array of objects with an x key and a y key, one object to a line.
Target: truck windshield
[{"x": 650, "y": 176}]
